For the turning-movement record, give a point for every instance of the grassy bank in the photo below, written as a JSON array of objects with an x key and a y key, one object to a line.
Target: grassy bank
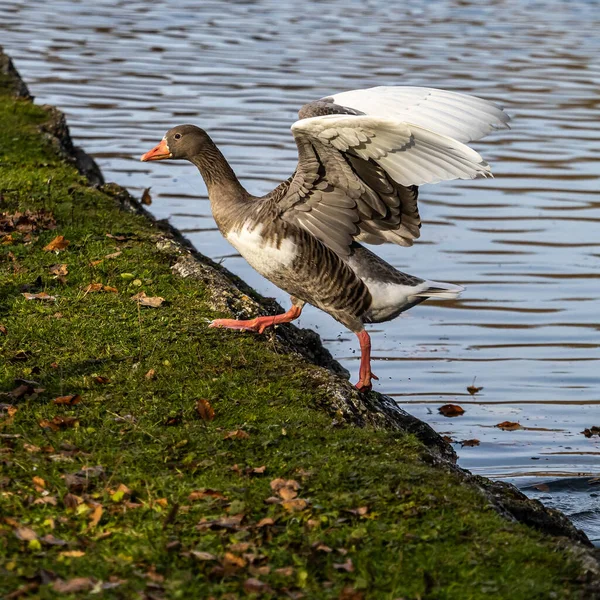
[{"x": 142, "y": 452}]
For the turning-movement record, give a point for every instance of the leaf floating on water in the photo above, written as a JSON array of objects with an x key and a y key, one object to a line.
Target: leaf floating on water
[
  {"x": 57, "y": 244},
  {"x": 146, "y": 197},
  {"x": 451, "y": 410},
  {"x": 509, "y": 426},
  {"x": 205, "y": 410},
  {"x": 68, "y": 400},
  {"x": 589, "y": 432},
  {"x": 40, "y": 296},
  {"x": 143, "y": 300},
  {"x": 469, "y": 443}
]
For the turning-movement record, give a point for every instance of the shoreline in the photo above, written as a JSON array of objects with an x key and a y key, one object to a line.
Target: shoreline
[{"x": 334, "y": 399}]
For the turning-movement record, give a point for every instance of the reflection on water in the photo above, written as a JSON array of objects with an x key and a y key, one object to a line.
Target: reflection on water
[{"x": 525, "y": 244}]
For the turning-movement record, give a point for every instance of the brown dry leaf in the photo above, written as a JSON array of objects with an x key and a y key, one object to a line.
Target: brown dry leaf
[
  {"x": 451, "y": 410},
  {"x": 39, "y": 482},
  {"x": 114, "y": 254},
  {"x": 233, "y": 522},
  {"x": 99, "y": 287},
  {"x": 96, "y": 516},
  {"x": 162, "y": 502},
  {"x": 77, "y": 584},
  {"x": 258, "y": 470},
  {"x": 295, "y": 505},
  {"x": 287, "y": 493},
  {"x": 205, "y": 410},
  {"x": 3, "y": 329},
  {"x": 347, "y": 566},
  {"x": 95, "y": 263},
  {"x": 59, "y": 270},
  {"x": 590, "y": 431},
  {"x": 205, "y": 493},
  {"x": 143, "y": 300},
  {"x": 240, "y": 547},
  {"x": 71, "y": 500},
  {"x": 57, "y": 244},
  {"x": 202, "y": 555},
  {"x": 31, "y": 448},
  {"x": 469, "y": 443},
  {"x": 101, "y": 379},
  {"x": 237, "y": 434},
  {"x": 361, "y": 511},
  {"x": 265, "y": 522},
  {"x": 41, "y": 296},
  {"x": 68, "y": 400},
  {"x": 256, "y": 586},
  {"x": 285, "y": 571},
  {"x": 146, "y": 197},
  {"x": 119, "y": 238},
  {"x": 150, "y": 374},
  {"x": 323, "y": 548},
  {"x": 25, "y": 534},
  {"x": 46, "y": 500},
  {"x": 232, "y": 561},
  {"x": 72, "y": 553},
  {"x": 52, "y": 541},
  {"x": 349, "y": 593},
  {"x": 59, "y": 422},
  {"x": 473, "y": 389},
  {"x": 509, "y": 426}
]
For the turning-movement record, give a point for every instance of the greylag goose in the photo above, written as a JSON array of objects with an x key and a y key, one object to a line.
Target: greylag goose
[{"x": 361, "y": 156}]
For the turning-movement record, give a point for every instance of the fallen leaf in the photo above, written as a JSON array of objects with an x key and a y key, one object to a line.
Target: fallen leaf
[
  {"x": 509, "y": 426},
  {"x": 68, "y": 400},
  {"x": 237, "y": 434},
  {"x": 469, "y": 443},
  {"x": 119, "y": 238},
  {"x": 287, "y": 489},
  {"x": 25, "y": 534},
  {"x": 256, "y": 586},
  {"x": 150, "y": 374},
  {"x": 95, "y": 263},
  {"x": 41, "y": 296},
  {"x": 72, "y": 553},
  {"x": 71, "y": 500},
  {"x": 59, "y": 422},
  {"x": 323, "y": 548},
  {"x": 589, "y": 432},
  {"x": 198, "y": 555},
  {"x": 473, "y": 389},
  {"x": 95, "y": 516},
  {"x": 101, "y": 379},
  {"x": 233, "y": 562},
  {"x": 267, "y": 521},
  {"x": 259, "y": 470},
  {"x": 162, "y": 502},
  {"x": 349, "y": 593},
  {"x": 72, "y": 586},
  {"x": 3, "y": 329},
  {"x": 52, "y": 541},
  {"x": 113, "y": 255},
  {"x": 205, "y": 410},
  {"x": 59, "y": 270},
  {"x": 347, "y": 566},
  {"x": 146, "y": 198},
  {"x": 287, "y": 493},
  {"x": 39, "y": 482},
  {"x": 31, "y": 448},
  {"x": 451, "y": 410},
  {"x": 285, "y": 571},
  {"x": 57, "y": 244},
  {"x": 221, "y": 523},
  {"x": 358, "y": 512},
  {"x": 143, "y": 300},
  {"x": 205, "y": 493},
  {"x": 99, "y": 287},
  {"x": 46, "y": 500},
  {"x": 295, "y": 505}
]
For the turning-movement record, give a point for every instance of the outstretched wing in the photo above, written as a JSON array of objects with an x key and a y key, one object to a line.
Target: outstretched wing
[{"x": 357, "y": 173}]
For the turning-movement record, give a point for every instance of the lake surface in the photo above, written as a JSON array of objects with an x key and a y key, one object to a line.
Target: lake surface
[{"x": 526, "y": 244}]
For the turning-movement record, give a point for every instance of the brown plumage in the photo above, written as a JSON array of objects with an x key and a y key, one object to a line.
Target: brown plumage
[{"x": 356, "y": 180}]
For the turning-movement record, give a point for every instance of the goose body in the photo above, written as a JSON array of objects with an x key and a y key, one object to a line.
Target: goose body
[{"x": 362, "y": 156}]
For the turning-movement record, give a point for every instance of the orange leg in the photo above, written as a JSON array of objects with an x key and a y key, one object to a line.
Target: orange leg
[
  {"x": 259, "y": 324},
  {"x": 365, "y": 375}
]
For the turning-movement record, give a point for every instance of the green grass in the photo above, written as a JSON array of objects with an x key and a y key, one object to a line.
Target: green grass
[{"x": 423, "y": 534}]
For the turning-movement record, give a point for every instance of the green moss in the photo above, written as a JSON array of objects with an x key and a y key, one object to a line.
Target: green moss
[{"x": 422, "y": 536}]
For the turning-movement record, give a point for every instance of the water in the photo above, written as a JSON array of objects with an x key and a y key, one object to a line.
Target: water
[{"x": 525, "y": 244}]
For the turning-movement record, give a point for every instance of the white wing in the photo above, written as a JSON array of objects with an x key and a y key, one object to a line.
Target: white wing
[
  {"x": 409, "y": 153},
  {"x": 460, "y": 116}
]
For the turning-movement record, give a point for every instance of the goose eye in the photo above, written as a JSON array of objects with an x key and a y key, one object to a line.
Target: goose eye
[{"x": 177, "y": 136}]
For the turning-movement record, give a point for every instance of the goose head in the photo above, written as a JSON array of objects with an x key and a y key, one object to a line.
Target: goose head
[{"x": 182, "y": 142}]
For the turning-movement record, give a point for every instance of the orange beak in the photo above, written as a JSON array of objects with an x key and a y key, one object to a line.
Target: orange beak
[{"x": 159, "y": 152}]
